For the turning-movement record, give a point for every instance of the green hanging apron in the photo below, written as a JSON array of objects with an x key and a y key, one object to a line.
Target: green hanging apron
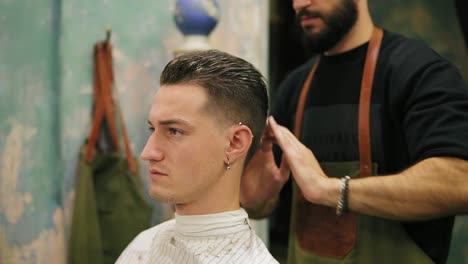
[
  {"x": 109, "y": 209},
  {"x": 317, "y": 234}
]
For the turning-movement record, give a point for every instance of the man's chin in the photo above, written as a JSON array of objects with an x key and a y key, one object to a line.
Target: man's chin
[
  {"x": 313, "y": 36},
  {"x": 311, "y": 31},
  {"x": 162, "y": 197},
  {"x": 318, "y": 42}
]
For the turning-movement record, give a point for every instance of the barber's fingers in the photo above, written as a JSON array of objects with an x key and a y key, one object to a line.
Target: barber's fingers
[
  {"x": 266, "y": 143},
  {"x": 268, "y": 131},
  {"x": 284, "y": 170},
  {"x": 284, "y": 138}
]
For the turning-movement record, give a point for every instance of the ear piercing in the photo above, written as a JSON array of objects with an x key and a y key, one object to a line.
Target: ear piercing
[
  {"x": 240, "y": 124},
  {"x": 228, "y": 165}
]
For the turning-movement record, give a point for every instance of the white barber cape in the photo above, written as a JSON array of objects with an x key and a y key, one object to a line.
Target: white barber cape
[{"x": 198, "y": 239}]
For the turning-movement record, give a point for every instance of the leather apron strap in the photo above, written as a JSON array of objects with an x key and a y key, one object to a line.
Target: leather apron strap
[
  {"x": 365, "y": 152},
  {"x": 104, "y": 105},
  {"x": 364, "y": 102}
]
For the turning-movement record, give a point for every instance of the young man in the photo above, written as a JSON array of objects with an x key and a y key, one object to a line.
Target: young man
[
  {"x": 366, "y": 106},
  {"x": 206, "y": 121}
]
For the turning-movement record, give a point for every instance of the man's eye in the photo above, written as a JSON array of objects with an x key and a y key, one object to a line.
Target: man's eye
[
  {"x": 151, "y": 129},
  {"x": 174, "y": 132}
]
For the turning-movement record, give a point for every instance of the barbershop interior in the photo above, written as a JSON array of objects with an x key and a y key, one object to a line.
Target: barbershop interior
[{"x": 83, "y": 177}]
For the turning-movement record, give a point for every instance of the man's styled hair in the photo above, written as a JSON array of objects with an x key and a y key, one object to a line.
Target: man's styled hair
[{"x": 236, "y": 89}]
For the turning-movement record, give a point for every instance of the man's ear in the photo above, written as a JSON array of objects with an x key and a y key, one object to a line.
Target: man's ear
[{"x": 240, "y": 139}]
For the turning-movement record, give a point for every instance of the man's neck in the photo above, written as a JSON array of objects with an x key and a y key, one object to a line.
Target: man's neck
[
  {"x": 202, "y": 209},
  {"x": 360, "y": 33},
  {"x": 221, "y": 197}
]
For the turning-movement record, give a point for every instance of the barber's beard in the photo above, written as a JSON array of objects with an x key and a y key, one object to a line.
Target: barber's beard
[{"x": 336, "y": 26}]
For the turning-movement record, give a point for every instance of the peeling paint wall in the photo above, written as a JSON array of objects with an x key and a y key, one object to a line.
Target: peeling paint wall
[
  {"x": 46, "y": 95},
  {"x": 139, "y": 33},
  {"x": 31, "y": 214}
]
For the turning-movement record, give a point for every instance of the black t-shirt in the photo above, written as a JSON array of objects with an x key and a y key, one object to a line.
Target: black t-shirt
[{"x": 419, "y": 109}]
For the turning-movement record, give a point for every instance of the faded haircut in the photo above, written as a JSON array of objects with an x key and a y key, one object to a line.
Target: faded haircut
[{"x": 237, "y": 90}]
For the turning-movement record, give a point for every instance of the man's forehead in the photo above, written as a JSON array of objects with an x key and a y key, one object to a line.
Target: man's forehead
[
  {"x": 180, "y": 96},
  {"x": 179, "y": 102},
  {"x": 182, "y": 93}
]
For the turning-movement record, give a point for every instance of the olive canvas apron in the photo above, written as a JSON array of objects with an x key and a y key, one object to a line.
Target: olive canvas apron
[
  {"x": 317, "y": 234},
  {"x": 110, "y": 208}
]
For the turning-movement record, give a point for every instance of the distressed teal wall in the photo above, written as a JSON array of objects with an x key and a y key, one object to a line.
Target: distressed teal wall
[
  {"x": 31, "y": 215},
  {"x": 434, "y": 22},
  {"x": 45, "y": 100},
  {"x": 46, "y": 94},
  {"x": 139, "y": 35}
]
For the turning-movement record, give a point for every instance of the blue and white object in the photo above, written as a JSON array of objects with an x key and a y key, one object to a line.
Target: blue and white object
[{"x": 196, "y": 19}]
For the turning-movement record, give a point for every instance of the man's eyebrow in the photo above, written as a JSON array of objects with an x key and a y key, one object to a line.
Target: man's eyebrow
[{"x": 175, "y": 121}]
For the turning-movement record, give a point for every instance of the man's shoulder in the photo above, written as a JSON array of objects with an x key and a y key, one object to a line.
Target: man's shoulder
[
  {"x": 401, "y": 49},
  {"x": 146, "y": 236},
  {"x": 396, "y": 39},
  {"x": 141, "y": 244}
]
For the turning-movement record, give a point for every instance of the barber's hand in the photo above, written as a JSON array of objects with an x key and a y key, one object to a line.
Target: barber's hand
[
  {"x": 304, "y": 166},
  {"x": 262, "y": 180}
]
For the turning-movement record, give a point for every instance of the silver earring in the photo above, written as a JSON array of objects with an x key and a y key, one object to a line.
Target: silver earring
[
  {"x": 240, "y": 124},
  {"x": 228, "y": 165}
]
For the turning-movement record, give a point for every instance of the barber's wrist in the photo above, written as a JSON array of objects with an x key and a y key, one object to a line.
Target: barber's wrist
[
  {"x": 342, "y": 206},
  {"x": 332, "y": 192},
  {"x": 325, "y": 191}
]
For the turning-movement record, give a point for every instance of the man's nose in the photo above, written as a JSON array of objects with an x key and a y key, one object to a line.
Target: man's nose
[
  {"x": 152, "y": 150},
  {"x": 300, "y": 4}
]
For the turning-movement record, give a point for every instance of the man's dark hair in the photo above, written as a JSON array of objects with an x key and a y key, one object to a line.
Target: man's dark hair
[{"x": 236, "y": 89}]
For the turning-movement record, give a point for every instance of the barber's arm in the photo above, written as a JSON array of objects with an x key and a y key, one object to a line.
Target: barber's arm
[
  {"x": 261, "y": 209},
  {"x": 432, "y": 188},
  {"x": 262, "y": 181}
]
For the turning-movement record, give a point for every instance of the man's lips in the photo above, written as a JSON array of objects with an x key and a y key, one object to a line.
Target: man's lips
[
  {"x": 309, "y": 21},
  {"x": 307, "y": 17},
  {"x": 157, "y": 173}
]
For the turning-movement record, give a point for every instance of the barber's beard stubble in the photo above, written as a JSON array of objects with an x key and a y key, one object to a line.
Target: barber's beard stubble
[{"x": 336, "y": 25}]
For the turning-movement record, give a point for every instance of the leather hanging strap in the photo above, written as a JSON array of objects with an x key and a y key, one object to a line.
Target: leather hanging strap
[
  {"x": 364, "y": 102},
  {"x": 104, "y": 105}
]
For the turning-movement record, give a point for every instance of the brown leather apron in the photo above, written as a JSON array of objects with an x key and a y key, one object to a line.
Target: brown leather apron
[{"x": 317, "y": 234}]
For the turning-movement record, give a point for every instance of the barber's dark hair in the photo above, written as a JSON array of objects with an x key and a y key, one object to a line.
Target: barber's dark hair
[{"x": 237, "y": 90}]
